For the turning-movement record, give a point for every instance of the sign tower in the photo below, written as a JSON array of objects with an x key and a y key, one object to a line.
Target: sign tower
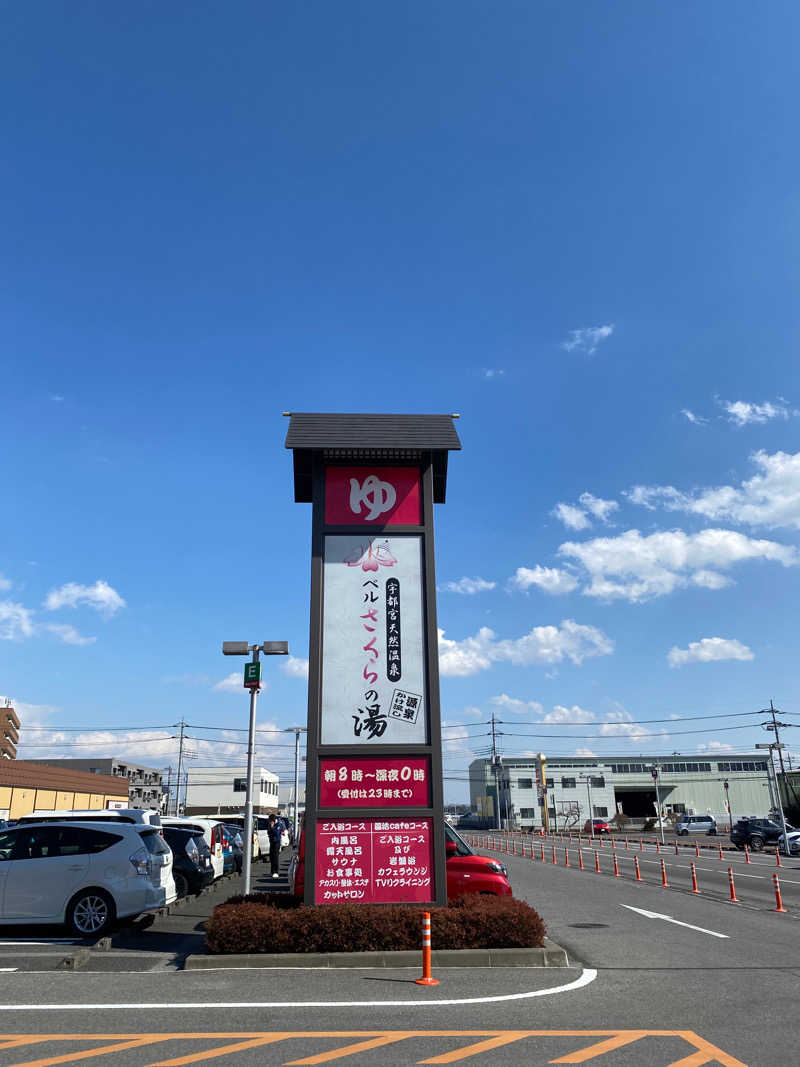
[{"x": 374, "y": 793}]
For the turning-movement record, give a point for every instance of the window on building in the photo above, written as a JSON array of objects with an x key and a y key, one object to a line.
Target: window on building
[
  {"x": 567, "y": 783},
  {"x": 527, "y": 813},
  {"x": 240, "y": 785},
  {"x": 598, "y": 783},
  {"x": 525, "y": 783},
  {"x": 600, "y": 812},
  {"x": 551, "y": 783}
]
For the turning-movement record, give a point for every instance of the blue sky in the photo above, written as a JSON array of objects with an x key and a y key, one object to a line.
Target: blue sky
[{"x": 575, "y": 224}]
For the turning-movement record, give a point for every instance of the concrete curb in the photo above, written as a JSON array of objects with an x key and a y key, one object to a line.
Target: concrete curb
[{"x": 552, "y": 955}]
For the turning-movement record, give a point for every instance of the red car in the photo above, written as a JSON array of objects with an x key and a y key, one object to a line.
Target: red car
[
  {"x": 600, "y": 826},
  {"x": 467, "y": 872}
]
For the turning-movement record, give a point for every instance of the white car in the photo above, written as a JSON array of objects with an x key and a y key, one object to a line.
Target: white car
[
  {"x": 794, "y": 842},
  {"x": 83, "y": 874}
]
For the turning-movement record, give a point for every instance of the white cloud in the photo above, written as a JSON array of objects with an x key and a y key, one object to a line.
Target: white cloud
[
  {"x": 595, "y": 505},
  {"x": 16, "y": 621},
  {"x": 551, "y": 580},
  {"x": 493, "y": 372},
  {"x": 30, "y": 714},
  {"x": 710, "y": 579},
  {"x": 695, "y": 420},
  {"x": 620, "y": 724},
  {"x": 572, "y": 517},
  {"x": 544, "y": 644},
  {"x": 587, "y": 339},
  {"x": 577, "y": 518},
  {"x": 584, "y": 752},
  {"x": 518, "y": 707},
  {"x": 100, "y": 596},
  {"x": 709, "y": 650},
  {"x": 636, "y": 568},
  {"x": 769, "y": 498},
  {"x": 56, "y": 398},
  {"x": 573, "y": 716},
  {"x": 715, "y": 746},
  {"x": 69, "y": 635},
  {"x": 742, "y": 413},
  {"x": 5, "y": 584},
  {"x": 468, "y": 586},
  {"x": 295, "y": 667},
  {"x": 234, "y": 683}
]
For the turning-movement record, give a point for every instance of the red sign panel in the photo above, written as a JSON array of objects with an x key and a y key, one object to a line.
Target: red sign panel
[
  {"x": 380, "y": 782},
  {"x": 374, "y": 861},
  {"x": 372, "y": 496}
]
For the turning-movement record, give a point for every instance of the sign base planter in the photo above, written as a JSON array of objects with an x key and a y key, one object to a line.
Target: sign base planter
[{"x": 552, "y": 955}]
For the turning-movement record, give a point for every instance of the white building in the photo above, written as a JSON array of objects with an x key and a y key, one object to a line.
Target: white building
[
  {"x": 223, "y": 790},
  {"x": 738, "y": 784}
]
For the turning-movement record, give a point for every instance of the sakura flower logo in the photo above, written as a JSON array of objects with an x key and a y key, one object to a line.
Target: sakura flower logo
[{"x": 371, "y": 557}]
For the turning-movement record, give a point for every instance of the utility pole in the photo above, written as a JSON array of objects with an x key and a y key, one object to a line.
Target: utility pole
[
  {"x": 296, "y": 730},
  {"x": 182, "y": 725},
  {"x": 588, "y": 779},
  {"x": 496, "y": 766}
]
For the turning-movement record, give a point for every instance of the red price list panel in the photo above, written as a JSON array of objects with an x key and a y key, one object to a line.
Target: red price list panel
[
  {"x": 382, "y": 782},
  {"x": 375, "y": 861}
]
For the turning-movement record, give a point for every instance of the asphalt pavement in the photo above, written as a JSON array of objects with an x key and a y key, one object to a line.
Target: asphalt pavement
[{"x": 659, "y": 977}]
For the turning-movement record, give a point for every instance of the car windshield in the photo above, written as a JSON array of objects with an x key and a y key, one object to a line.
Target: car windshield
[{"x": 462, "y": 848}]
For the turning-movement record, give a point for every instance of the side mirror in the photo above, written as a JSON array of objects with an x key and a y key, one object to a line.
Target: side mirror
[{"x": 450, "y": 849}]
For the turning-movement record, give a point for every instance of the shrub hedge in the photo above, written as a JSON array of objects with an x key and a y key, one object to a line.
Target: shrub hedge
[{"x": 265, "y": 922}]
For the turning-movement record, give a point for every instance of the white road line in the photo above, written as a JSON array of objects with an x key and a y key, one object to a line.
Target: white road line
[
  {"x": 8, "y": 968},
  {"x": 586, "y": 978},
  {"x": 669, "y": 919},
  {"x": 42, "y": 941}
]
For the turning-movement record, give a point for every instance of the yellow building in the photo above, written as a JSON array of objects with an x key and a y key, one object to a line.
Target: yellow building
[{"x": 26, "y": 786}]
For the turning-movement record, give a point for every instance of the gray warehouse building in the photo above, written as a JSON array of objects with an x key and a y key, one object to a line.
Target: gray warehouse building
[{"x": 618, "y": 784}]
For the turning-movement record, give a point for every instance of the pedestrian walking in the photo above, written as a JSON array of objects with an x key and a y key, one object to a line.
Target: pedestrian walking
[{"x": 274, "y": 829}]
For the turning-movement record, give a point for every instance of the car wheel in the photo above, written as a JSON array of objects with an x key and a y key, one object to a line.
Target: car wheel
[
  {"x": 181, "y": 884},
  {"x": 90, "y": 913},
  {"x": 756, "y": 843}
]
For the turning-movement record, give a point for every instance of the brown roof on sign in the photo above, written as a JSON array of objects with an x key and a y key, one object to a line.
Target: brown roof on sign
[
  {"x": 389, "y": 439},
  {"x": 22, "y": 772},
  {"x": 425, "y": 432}
]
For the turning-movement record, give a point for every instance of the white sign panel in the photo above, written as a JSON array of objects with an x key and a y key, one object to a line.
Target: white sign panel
[{"x": 373, "y": 642}]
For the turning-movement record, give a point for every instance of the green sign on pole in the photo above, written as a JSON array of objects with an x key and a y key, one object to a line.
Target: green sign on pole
[{"x": 252, "y": 675}]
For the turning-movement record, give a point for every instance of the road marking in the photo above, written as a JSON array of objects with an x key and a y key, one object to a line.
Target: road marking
[
  {"x": 668, "y": 919},
  {"x": 704, "y": 1051},
  {"x": 588, "y": 976}
]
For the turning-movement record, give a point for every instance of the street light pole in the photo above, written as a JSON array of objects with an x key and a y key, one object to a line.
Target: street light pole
[
  {"x": 588, "y": 779},
  {"x": 253, "y": 683},
  {"x": 770, "y": 746},
  {"x": 654, "y": 772},
  {"x": 296, "y": 730}
]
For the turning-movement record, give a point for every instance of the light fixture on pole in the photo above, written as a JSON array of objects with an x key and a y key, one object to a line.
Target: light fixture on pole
[
  {"x": 296, "y": 730},
  {"x": 654, "y": 771},
  {"x": 252, "y": 681}
]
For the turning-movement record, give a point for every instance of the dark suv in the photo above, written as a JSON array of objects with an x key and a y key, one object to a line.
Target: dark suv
[
  {"x": 191, "y": 860},
  {"x": 755, "y": 833}
]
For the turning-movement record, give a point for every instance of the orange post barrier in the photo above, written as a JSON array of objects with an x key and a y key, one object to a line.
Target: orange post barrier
[
  {"x": 778, "y": 899},
  {"x": 746, "y": 854},
  {"x": 697, "y": 850},
  {"x": 541, "y": 857},
  {"x": 580, "y": 858},
  {"x": 676, "y": 848},
  {"x": 566, "y": 857},
  {"x": 733, "y": 898},
  {"x": 720, "y": 850},
  {"x": 778, "y": 859},
  {"x": 627, "y": 846},
  {"x": 694, "y": 879},
  {"x": 515, "y": 847},
  {"x": 426, "y": 952},
  {"x": 554, "y": 854},
  {"x": 616, "y": 866},
  {"x": 664, "y": 882},
  {"x": 597, "y": 862},
  {"x": 641, "y": 845},
  {"x": 636, "y": 868},
  {"x": 658, "y": 847}
]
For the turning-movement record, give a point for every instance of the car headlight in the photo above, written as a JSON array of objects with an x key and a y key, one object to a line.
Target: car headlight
[{"x": 497, "y": 868}]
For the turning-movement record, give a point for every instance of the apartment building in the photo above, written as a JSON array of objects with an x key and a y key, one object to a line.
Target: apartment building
[
  {"x": 144, "y": 783},
  {"x": 9, "y": 732}
]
